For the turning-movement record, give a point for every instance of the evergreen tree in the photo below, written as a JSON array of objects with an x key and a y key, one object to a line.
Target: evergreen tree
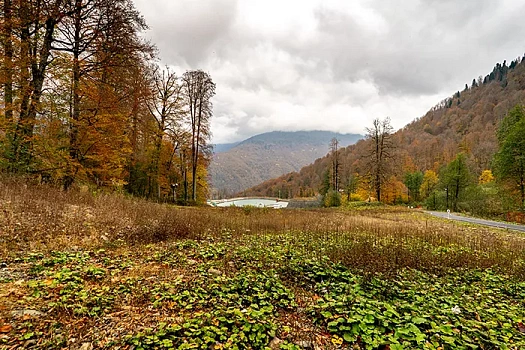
[
  {"x": 456, "y": 178},
  {"x": 413, "y": 182},
  {"x": 510, "y": 159}
]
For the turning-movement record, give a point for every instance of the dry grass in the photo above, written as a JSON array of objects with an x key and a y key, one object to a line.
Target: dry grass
[{"x": 43, "y": 218}]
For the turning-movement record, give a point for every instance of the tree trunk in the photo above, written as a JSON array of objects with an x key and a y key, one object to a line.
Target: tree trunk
[
  {"x": 32, "y": 91},
  {"x": 75, "y": 113},
  {"x": 196, "y": 154},
  {"x": 8, "y": 65}
]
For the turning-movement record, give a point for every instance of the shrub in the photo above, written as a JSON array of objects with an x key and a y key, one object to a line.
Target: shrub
[{"x": 332, "y": 199}]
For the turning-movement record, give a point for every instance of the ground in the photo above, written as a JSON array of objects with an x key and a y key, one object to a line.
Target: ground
[{"x": 156, "y": 276}]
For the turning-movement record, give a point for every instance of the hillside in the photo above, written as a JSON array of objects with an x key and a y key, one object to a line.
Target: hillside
[
  {"x": 466, "y": 122},
  {"x": 269, "y": 155}
]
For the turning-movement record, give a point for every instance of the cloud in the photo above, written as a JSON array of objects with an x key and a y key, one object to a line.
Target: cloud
[{"x": 332, "y": 64}]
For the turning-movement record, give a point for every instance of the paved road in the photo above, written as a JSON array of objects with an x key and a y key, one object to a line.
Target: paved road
[{"x": 478, "y": 221}]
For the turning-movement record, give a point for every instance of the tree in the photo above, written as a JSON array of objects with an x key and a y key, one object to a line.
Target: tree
[
  {"x": 334, "y": 149},
  {"x": 96, "y": 35},
  {"x": 36, "y": 25},
  {"x": 199, "y": 88},
  {"x": 510, "y": 158},
  {"x": 429, "y": 184},
  {"x": 486, "y": 177},
  {"x": 325, "y": 185},
  {"x": 165, "y": 106},
  {"x": 456, "y": 178},
  {"x": 7, "y": 69},
  {"x": 380, "y": 153},
  {"x": 413, "y": 182},
  {"x": 350, "y": 185}
]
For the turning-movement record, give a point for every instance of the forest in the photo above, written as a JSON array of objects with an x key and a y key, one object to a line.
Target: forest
[
  {"x": 85, "y": 103},
  {"x": 466, "y": 154}
]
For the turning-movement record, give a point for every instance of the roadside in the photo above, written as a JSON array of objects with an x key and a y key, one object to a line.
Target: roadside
[{"x": 471, "y": 220}]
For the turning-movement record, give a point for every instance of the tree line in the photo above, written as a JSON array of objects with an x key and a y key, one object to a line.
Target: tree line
[
  {"x": 84, "y": 101},
  {"x": 455, "y": 186}
]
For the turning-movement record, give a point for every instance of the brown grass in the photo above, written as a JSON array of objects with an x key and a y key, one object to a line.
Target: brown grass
[{"x": 42, "y": 218}]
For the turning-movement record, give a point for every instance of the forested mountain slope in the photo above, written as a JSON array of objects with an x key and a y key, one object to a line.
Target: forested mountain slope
[
  {"x": 269, "y": 155},
  {"x": 466, "y": 122}
]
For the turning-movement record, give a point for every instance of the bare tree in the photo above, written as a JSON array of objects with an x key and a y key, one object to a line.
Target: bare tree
[
  {"x": 199, "y": 89},
  {"x": 165, "y": 106},
  {"x": 380, "y": 155},
  {"x": 334, "y": 148}
]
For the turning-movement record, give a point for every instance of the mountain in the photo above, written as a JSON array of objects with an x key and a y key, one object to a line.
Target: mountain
[
  {"x": 269, "y": 155},
  {"x": 223, "y": 147},
  {"x": 465, "y": 122}
]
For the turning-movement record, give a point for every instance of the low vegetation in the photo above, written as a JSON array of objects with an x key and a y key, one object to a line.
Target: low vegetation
[{"x": 107, "y": 271}]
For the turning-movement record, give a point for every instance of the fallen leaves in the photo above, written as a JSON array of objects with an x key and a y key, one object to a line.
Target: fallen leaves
[{"x": 6, "y": 328}]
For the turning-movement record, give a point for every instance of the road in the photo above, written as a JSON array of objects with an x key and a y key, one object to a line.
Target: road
[{"x": 478, "y": 221}]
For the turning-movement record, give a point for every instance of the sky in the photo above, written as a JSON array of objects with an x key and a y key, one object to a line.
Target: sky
[{"x": 332, "y": 65}]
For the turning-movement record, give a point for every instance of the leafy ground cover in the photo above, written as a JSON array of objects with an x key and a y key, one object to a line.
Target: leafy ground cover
[{"x": 208, "y": 278}]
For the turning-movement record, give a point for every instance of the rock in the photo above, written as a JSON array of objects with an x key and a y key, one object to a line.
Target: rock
[
  {"x": 86, "y": 346},
  {"x": 275, "y": 343},
  {"x": 27, "y": 312},
  {"x": 214, "y": 272},
  {"x": 231, "y": 264}
]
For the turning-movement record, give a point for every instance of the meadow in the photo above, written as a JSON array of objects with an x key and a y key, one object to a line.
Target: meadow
[{"x": 106, "y": 271}]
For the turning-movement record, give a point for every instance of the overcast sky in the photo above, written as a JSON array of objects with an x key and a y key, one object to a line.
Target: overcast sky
[{"x": 331, "y": 64}]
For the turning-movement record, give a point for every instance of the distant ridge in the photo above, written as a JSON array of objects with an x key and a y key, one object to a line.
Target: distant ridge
[
  {"x": 464, "y": 122},
  {"x": 236, "y": 167}
]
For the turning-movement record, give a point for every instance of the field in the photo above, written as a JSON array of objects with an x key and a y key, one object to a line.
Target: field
[{"x": 85, "y": 271}]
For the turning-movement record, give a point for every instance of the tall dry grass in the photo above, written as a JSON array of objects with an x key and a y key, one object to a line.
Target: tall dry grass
[{"x": 39, "y": 217}]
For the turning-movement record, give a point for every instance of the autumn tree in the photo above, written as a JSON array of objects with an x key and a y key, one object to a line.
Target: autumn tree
[
  {"x": 429, "y": 184},
  {"x": 35, "y": 30},
  {"x": 510, "y": 159},
  {"x": 199, "y": 89},
  {"x": 380, "y": 153},
  {"x": 486, "y": 177},
  {"x": 99, "y": 37},
  {"x": 7, "y": 71}
]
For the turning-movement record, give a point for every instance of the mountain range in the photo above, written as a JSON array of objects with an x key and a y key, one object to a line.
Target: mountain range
[{"x": 238, "y": 166}]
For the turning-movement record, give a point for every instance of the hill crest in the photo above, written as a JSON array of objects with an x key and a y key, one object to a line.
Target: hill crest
[{"x": 269, "y": 155}]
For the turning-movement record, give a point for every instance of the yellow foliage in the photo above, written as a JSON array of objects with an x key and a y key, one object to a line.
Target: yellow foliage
[
  {"x": 394, "y": 191},
  {"x": 430, "y": 181},
  {"x": 486, "y": 177}
]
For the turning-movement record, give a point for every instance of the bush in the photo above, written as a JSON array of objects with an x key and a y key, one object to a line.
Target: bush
[{"x": 332, "y": 199}]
